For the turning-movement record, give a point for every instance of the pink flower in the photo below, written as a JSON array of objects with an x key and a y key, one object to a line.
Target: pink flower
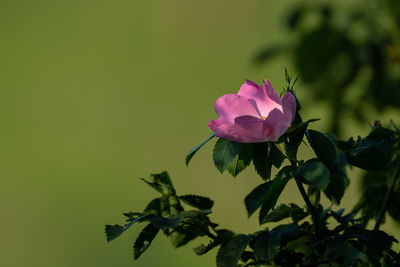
[{"x": 255, "y": 114}]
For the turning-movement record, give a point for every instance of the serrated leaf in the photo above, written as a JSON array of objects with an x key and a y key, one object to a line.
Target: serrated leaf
[
  {"x": 323, "y": 147},
  {"x": 262, "y": 160},
  {"x": 197, "y": 201},
  {"x": 114, "y": 231},
  {"x": 153, "y": 207},
  {"x": 164, "y": 222},
  {"x": 224, "y": 153},
  {"x": 277, "y": 157},
  {"x": 242, "y": 160},
  {"x": 195, "y": 149},
  {"x": 284, "y": 211},
  {"x": 194, "y": 224},
  {"x": 338, "y": 183},
  {"x": 143, "y": 241},
  {"x": 162, "y": 178},
  {"x": 223, "y": 236},
  {"x": 229, "y": 254},
  {"x": 315, "y": 173},
  {"x": 271, "y": 196},
  {"x": 256, "y": 197}
]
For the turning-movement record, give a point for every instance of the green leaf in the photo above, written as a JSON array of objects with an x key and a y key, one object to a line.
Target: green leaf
[
  {"x": 256, "y": 197},
  {"x": 199, "y": 202},
  {"x": 223, "y": 236},
  {"x": 143, "y": 241},
  {"x": 229, "y": 254},
  {"x": 154, "y": 207},
  {"x": 114, "y": 231},
  {"x": 377, "y": 239},
  {"x": 323, "y": 147},
  {"x": 315, "y": 173},
  {"x": 164, "y": 222},
  {"x": 260, "y": 245},
  {"x": 194, "y": 150},
  {"x": 161, "y": 182},
  {"x": 224, "y": 153},
  {"x": 162, "y": 178},
  {"x": 338, "y": 183},
  {"x": 277, "y": 157},
  {"x": 284, "y": 211},
  {"x": 271, "y": 196},
  {"x": 274, "y": 242},
  {"x": 242, "y": 160},
  {"x": 262, "y": 160},
  {"x": 294, "y": 140}
]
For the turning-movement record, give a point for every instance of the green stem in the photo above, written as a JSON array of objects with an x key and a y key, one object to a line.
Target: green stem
[
  {"x": 310, "y": 206},
  {"x": 386, "y": 201}
]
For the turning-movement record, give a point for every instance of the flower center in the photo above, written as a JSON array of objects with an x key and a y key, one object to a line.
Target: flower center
[{"x": 264, "y": 117}]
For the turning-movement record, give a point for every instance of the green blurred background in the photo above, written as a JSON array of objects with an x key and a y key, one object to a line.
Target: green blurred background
[{"x": 95, "y": 94}]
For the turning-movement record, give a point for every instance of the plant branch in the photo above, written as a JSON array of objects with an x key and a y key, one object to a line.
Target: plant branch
[
  {"x": 386, "y": 201},
  {"x": 309, "y": 205}
]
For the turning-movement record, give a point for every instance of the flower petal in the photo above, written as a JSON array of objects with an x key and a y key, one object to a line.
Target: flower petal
[
  {"x": 271, "y": 92},
  {"x": 263, "y": 97},
  {"x": 278, "y": 121},
  {"x": 247, "y": 129},
  {"x": 230, "y": 106},
  {"x": 289, "y": 106},
  {"x": 252, "y": 129}
]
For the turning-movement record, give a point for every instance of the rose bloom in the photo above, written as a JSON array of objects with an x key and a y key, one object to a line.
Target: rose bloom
[{"x": 255, "y": 114}]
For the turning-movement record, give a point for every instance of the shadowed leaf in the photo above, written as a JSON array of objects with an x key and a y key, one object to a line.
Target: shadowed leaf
[
  {"x": 229, "y": 254},
  {"x": 144, "y": 240}
]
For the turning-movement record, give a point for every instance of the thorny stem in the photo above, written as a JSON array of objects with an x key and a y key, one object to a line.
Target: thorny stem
[{"x": 386, "y": 201}]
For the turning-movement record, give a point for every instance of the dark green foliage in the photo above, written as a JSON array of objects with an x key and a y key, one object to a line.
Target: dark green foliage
[
  {"x": 323, "y": 148},
  {"x": 317, "y": 235},
  {"x": 224, "y": 153},
  {"x": 284, "y": 211},
  {"x": 223, "y": 236},
  {"x": 230, "y": 253},
  {"x": 256, "y": 197},
  {"x": 242, "y": 160},
  {"x": 338, "y": 183},
  {"x": 164, "y": 222},
  {"x": 154, "y": 207},
  {"x": 294, "y": 139},
  {"x": 271, "y": 196},
  {"x": 377, "y": 239},
  {"x": 262, "y": 160},
  {"x": 199, "y": 202},
  {"x": 143, "y": 241},
  {"x": 277, "y": 157},
  {"x": 113, "y": 231},
  {"x": 197, "y": 148},
  {"x": 314, "y": 173}
]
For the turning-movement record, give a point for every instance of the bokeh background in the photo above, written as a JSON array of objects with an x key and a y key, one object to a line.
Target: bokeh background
[{"x": 95, "y": 94}]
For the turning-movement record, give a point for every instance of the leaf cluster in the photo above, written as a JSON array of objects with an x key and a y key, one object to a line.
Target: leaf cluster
[{"x": 304, "y": 235}]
